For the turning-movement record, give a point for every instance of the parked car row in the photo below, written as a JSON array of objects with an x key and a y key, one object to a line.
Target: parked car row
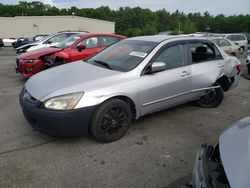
[
  {"x": 240, "y": 40},
  {"x": 228, "y": 46},
  {"x": 48, "y": 41},
  {"x": 78, "y": 46}
]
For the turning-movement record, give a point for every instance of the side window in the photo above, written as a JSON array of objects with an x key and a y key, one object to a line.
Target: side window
[
  {"x": 58, "y": 38},
  {"x": 224, "y": 43},
  {"x": 229, "y": 37},
  {"x": 234, "y": 37},
  {"x": 107, "y": 41},
  {"x": 203, "y": 52},
  {"x": 91, "y": 42},
  {"x": 173, "y": 57},
  {"x": 241, "y": 37},
  {"x": 37, "y": 38}
]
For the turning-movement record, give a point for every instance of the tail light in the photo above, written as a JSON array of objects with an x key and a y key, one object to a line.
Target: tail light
[{"x": 238, "y": 67}]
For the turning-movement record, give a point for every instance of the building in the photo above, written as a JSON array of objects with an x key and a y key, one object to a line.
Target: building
[{"x": 27, "y": 26}]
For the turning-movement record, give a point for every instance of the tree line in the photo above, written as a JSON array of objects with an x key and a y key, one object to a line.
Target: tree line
[{"x": 138, "y": 21}]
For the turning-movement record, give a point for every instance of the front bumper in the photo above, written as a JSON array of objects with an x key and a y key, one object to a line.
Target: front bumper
[
  {"x": 29, "y": 69},
  {"x": 208, "y": 171},
  {"x": 62, "y": 123}
]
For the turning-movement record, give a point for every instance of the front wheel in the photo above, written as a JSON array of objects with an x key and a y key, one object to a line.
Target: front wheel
[
  {"x": 111, "y": 120},
  {"x": 212, "y": 98},
  {"x": 58, "y": 61}
]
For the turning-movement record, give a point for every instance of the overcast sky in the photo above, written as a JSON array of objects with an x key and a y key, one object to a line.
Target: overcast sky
[{"x": 215, "y": 7}]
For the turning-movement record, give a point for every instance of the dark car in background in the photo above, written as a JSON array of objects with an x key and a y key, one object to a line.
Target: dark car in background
[
  {"x": 1, "y": 42},
  {"x": 22, "y": 41},
  {"x": 227, "y": 164}
]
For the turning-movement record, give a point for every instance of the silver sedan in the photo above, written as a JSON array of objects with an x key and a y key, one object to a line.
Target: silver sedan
[{"x": 127, "y": 80}]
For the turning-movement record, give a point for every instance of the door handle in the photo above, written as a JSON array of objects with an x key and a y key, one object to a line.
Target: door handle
[
  {"x": 220, "y": 65},
  {"x": 185, "y": 73}
]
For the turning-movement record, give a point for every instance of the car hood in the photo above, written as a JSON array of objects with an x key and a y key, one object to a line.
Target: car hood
[
  {"x": 70, "y": 78},
  {"x": 27, "y": 45},
  {"x": 35, "y": 54},
  {"x": 234, "y": 146}
]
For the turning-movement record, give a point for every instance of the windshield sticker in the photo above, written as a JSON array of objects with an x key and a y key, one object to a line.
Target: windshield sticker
[{"x": 138, "y": 54}]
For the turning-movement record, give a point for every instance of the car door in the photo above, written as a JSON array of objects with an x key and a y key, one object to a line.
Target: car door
[
  {"x": 92, "y": 47},
  {"x": 207, "y": 65},
  {"x": 170, "y": 87}
]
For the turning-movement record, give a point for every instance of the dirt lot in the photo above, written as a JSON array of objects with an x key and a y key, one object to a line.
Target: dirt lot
[{"x": 158, "y": 151}]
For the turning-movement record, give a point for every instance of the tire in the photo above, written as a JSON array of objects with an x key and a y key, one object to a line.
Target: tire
[
  {"x": 58, "y": 61},
  {"x": 242, "y": 49},
  {"x": 111, "y": 120},
  {"x": 212, "y": 99},
  {"x": 233, "y": 54},
  {"x": 248, "y": 68}
]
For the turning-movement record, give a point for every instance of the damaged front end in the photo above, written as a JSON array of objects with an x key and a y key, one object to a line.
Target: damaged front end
[
  {"x": 208, "y": 171},
  {"x": 231, "y": 74}
]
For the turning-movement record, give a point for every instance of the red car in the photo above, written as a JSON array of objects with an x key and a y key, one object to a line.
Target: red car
[{"x": 76, "y": 47}]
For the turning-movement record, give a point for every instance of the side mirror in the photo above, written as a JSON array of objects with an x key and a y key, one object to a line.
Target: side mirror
[
  {"x": 237, "y": 43},
  {"x": 48, "y": 42},
  {"x": 81, "y": 47},
  {"x": 157, "y": 67}
]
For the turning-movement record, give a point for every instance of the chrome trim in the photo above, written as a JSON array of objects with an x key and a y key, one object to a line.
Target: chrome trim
[{"x": 174, "y": 96}]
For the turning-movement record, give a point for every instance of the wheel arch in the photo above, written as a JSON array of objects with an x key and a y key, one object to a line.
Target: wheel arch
[
  {"x": 128, "y": 100},
  {"x": 224, "y": 82}
]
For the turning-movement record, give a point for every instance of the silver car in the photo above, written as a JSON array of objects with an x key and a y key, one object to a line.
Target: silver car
[{"x": 127, "y": 80}]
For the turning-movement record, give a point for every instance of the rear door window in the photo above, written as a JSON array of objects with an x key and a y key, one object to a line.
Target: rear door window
[
  {"x": 107, "y": 40},
  {"x": 91, "y": 42},
  {"x": 201, "y": 52}
]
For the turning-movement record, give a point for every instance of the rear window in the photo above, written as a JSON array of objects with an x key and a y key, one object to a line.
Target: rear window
[{"x": 236, "y": 37}]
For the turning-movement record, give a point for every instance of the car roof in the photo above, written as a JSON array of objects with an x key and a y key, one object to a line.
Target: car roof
[
  {"x": 160, "y": 38},
  {"x": 99, "y": 34}
]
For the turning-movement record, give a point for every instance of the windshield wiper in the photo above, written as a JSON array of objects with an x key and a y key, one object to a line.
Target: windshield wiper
[{"x": 103, "y": 64}]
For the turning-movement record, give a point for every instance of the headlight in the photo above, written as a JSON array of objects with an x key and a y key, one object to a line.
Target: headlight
[{"x": 64, "y": 102}]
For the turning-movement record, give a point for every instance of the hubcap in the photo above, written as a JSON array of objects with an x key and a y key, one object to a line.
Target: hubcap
[
  {"x": 210, "y": 96},
  {"x": 114, "y": 120}
]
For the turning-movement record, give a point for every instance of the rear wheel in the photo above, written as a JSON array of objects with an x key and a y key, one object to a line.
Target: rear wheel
[
  {"x": 212, "y": 98},
  {"x": 242, "y": 49},
  {"x": 111, "y": 120}
]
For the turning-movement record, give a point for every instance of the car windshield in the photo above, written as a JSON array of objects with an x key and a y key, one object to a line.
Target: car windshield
[
  {"x": 124, "y": 55},
  {"x": 68, "y": 42},
  {"x": 47, "y": 37}
]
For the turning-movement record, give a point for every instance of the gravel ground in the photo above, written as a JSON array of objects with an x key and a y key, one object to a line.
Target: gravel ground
[{"x": 158, "y": 151}]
